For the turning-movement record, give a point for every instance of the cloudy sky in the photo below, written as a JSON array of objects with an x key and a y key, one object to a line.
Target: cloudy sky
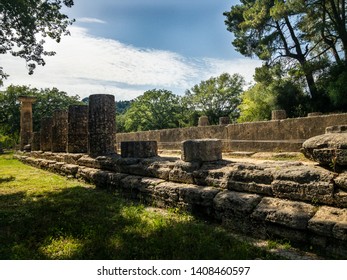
[{"x": 127, "y": 47}]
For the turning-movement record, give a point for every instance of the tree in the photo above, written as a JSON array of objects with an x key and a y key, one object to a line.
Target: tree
[
  {"x": 24, "y": 26},
  {"x": 272, "y": 91},
  {"x": 280, "y": 30},
  {"x": 155, "y": 109},
  {"x": 47, "y": 101},
  {"x": 216, "y": 97}
]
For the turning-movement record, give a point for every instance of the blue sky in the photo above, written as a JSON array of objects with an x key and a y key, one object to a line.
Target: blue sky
[{"x": 127, "y": 47}]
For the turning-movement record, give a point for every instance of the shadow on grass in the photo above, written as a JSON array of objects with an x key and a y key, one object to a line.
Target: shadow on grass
[
  {"x": 86, "y": 223},
  {"x": 7, "y": 179}
]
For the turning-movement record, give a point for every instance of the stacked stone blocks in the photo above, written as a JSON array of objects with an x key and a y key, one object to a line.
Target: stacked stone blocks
[{"x": 288, "y": 200}]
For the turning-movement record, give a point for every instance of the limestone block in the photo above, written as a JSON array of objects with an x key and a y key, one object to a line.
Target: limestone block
[
  {"x": 197, "y": 195},
  {"x": 328, "y": 149},
  {"x": 278, "y": 115},
  {"x": 211, "y": 174},
  {"x": 286, "y": 213},
  {"x": 201, "y": 150},
  {"x": 203, "y": 121},
  {"x": 340, "y": 199},
  {"x": 250, "y": 178},
  {"x": 114, "y": 180},
  {"x": 182, "y": 172},
  {"x": 314, "y": 114},
  {"x": 139, "y": 149},
  {"x": 166, "y": 194},
  {"x": 330, "y": 221},
  {"x": 232, "y": 203},
  {"x": 224, "y": 120},
  {"x": 306, "y": 183},
  {"x": 139, "y": 187},
  {"x": 160, "y": 167},
  {"x": 234, "y": 210}
]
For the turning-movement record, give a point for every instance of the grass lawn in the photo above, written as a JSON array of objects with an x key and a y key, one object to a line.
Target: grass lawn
[{"x": 46, "y": 216}]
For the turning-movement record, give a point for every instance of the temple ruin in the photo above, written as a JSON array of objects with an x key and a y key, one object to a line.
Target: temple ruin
[{"x": 301, "y": 202}]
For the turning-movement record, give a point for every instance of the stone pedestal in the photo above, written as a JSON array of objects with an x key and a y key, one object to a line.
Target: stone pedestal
[
  {"x": 203, "y": 121},
  {"x": 329, "y": 149},
  {"x": 139, "y": 149},
  {"x": 26, "y": 119},
  {"x": 46, "y": 134},
  {"x": 59, "y": 131},
  {"x": 278, "y": 115},
  {"x": 77, "y": 136},
  {"x": 35, "y": 141},
  {"x": 201, "y": 150},
  {"x": 224, "y": 120},
  {"x": 101, "y": 125}
]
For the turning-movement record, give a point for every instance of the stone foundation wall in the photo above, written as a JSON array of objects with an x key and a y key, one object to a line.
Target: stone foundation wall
[
  {"x": 277, "y": 135},
  {"x": 304, "y": 204}
]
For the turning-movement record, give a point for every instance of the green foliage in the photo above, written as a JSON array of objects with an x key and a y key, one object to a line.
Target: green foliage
[
  {"x": 273, "y": 91},
  {"x": 47, "y": 101},
  {"x": 22, "y": 21},
  {"x": 155, "y": 109},
  {"x": 216, "y": 97},
  {"x": 123, "y": 106},
  {"x": 334, "y": 83},
  {"x": 306, "y": 37},
  {"x": 257, "y": 104}
]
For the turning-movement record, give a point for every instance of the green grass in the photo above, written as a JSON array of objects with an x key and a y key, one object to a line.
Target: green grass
[{"x": 46, "y": 216}]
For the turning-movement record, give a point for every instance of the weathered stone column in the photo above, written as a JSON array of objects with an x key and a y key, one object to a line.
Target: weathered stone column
[
  {"x": 77, "y": 136},
  {"x": 46, "y": 134},
  {"x": 59, "y": 131},
  {"x": 101, "y": 125},
  {"x": 35, "y": 141},
  {"x": 203, "y": 121},
  {"x": 224, "y": 120},
  {"x": 26, "y": 119}
]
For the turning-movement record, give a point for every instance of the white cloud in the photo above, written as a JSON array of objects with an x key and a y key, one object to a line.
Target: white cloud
[
  {"x": 87, "y": 65},
  {"x": 90, "y": 20}
]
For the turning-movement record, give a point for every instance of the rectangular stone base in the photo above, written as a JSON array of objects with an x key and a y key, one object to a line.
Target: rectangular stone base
[{"x": 201, "y": 150}]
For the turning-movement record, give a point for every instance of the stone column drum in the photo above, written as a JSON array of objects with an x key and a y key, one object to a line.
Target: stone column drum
[
  {"x": 224, "y": 120},
  {"x": 203, "y": 121},
  {"x": 26, "y": 120},
  {"x": 101, "y": 125},
  {"x": 46, "y": 134},
  {"x": 59, "y": 131},
  {"x": 35, "y": 141},
  {"x": 77, "y": 136},
  {"x": 278, "y": 115}
]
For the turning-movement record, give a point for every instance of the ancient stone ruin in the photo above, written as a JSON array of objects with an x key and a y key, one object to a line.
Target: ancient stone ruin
[
  {"x": 59, "y": 131},
  {"x": 328, "y": 149},
  {"x": 77, "y": 135},
  {"x": 303, "y": 203},
  {"x": 101, "y": 125},
  {"x": 26, "y": 120}
]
